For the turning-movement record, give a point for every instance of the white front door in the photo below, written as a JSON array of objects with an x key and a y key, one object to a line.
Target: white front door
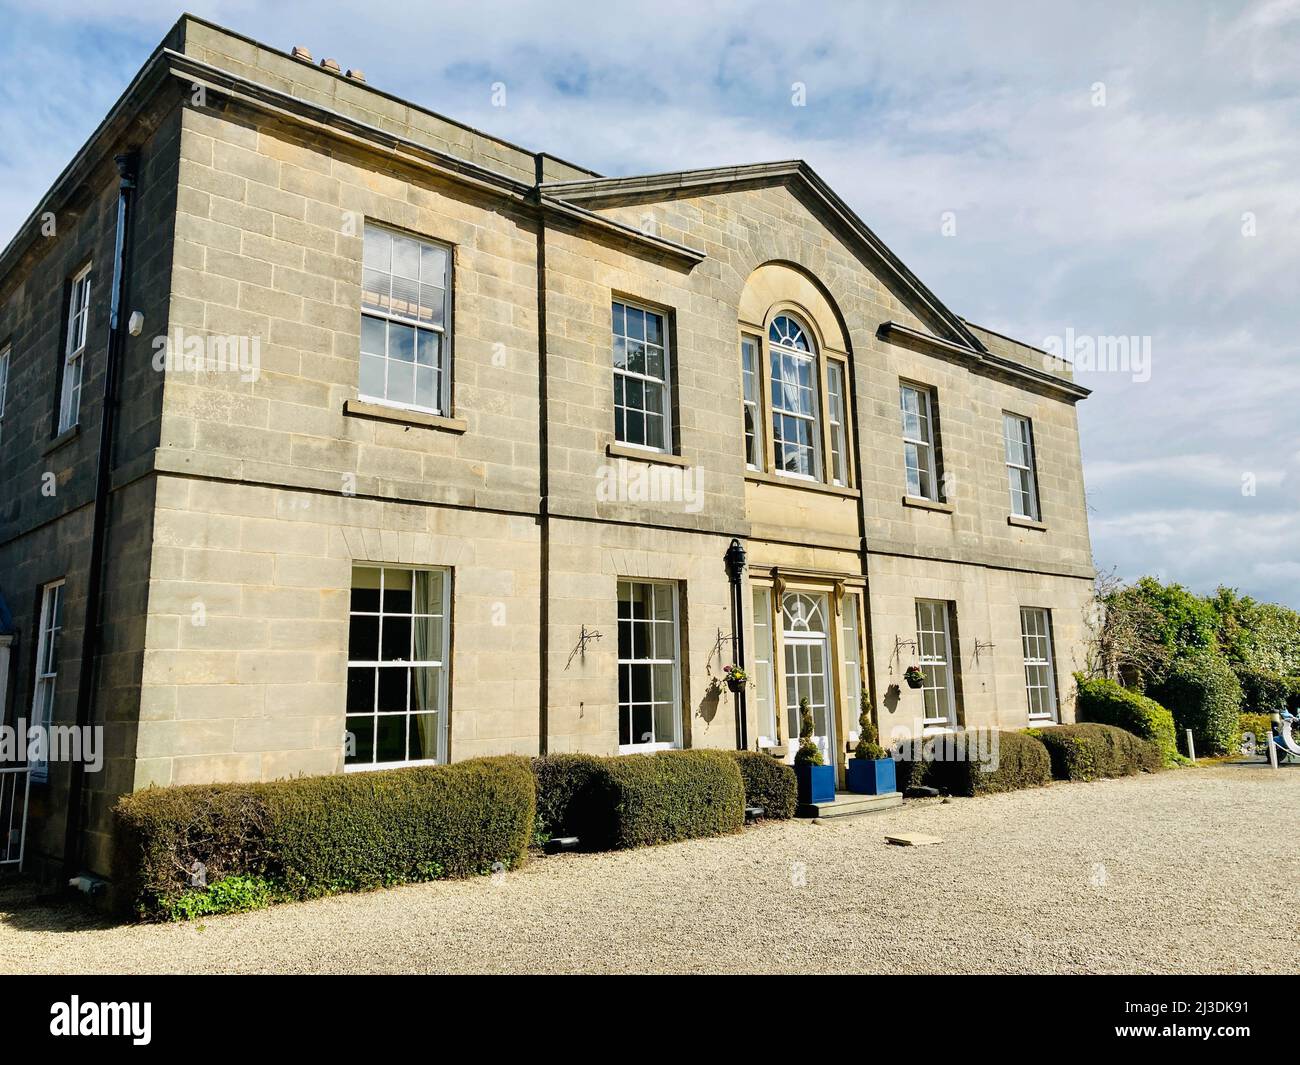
[{"x": 807, "y": 670}]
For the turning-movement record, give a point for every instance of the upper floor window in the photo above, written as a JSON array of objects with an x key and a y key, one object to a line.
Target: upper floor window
[
  {"x": 75, "y": 350},
  {"x": 1018, "y": 436},
  {"x": 749, "y": 373},
  {"x": 405, "y": 322},
  {"x": 918, "y": 441},
  {"x": 642, "y": 407},
  {"x": 836, "y": 417},
  {"x": 796, "y": 429}
]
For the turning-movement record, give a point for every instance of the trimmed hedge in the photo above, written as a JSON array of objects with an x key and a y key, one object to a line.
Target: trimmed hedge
[
  {"x": 769, "y": 783},
  {"x": 1090, "y": 751},
  {"x": 1204, "y": 695},
  {"x": 313, "y": 836},
  {"x": 1106, "y": 703},
  {"x": 673, "y": 795},
  {"x": 1021, "y": 762},
  {"x": 635, "y": 800}
]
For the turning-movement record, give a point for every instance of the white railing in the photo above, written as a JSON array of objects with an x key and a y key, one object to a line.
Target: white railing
[{"x": 15, "y": 785}]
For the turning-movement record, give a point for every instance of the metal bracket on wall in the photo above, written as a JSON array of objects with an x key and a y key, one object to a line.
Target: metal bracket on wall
[
  {"x": 897, "y": 656},
  {"x": 580, "y": 648},
  {"x": 981, "y": 645}
]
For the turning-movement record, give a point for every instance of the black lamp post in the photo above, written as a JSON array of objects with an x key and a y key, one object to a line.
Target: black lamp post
[{"x": 735, "y": 562}]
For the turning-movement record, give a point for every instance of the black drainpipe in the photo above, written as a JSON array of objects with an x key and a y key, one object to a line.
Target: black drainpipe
[
  {"x": 127, "y": 166},
  {"x": 543, "y": 474},
  {"x": 735, "y": 560}
]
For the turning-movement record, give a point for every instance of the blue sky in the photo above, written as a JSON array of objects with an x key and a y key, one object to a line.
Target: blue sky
[{"x": 1120, "y": 170}]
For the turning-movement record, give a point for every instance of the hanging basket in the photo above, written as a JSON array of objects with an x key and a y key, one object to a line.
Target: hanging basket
[
  {"x": 735, "y": 684},
  {"x": 914, "y": 676}
]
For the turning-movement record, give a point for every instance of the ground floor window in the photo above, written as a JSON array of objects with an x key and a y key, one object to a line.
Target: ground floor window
[
  {"x": 850, "y": 653},
  {"x": 399, "y": 628},
  {"x": 934, "y": 650},
  {"x": 47, "y": 666},
  {"x": 1040, "y": 681},
  {"x": 649, "y": 682}
]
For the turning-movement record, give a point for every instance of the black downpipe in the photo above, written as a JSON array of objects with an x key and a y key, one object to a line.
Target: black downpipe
[
  {"x": 735, "y": 560},
  {"x": 543, "y": 475},
  {"x": 127, "y": 168}
]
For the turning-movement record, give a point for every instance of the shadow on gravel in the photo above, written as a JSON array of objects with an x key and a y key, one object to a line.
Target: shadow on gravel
[{"x": 24, "y": 909}]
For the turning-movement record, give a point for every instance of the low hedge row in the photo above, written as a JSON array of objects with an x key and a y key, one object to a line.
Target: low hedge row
[
  {"x": 1089, "y": 751},
  {"x": 1017, "y": 760},
  {"x": 637, "y": 800},
  {"x": 312, "y": 836},
  {"x": 1107, "y": 703},
  {"x": 769, "y": 783}
]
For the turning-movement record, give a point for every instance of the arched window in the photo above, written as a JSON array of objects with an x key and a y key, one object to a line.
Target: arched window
[{"x": 796, "y": 412}]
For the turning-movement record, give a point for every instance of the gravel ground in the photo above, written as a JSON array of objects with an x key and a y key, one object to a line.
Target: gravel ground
[{"x": 1194, "y": 870}]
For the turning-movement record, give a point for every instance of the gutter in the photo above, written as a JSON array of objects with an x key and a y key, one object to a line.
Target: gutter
[{"x": 128, "y": 165}]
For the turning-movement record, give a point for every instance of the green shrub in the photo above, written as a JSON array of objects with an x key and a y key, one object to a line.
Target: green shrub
[
  {"x": 1106, "y": 703},
  {"x": 1089, "y": 751},
  {"x": 769, "y": 783},
  {"x": 1204, "y": 695},
  {"x": 670, "y": 796},
  {"x": 566, "y": 788},
  {"x": 1258, "y": 726},
  {"x": 1263, "y": 692},
  {"x": 315, "y": 836},
  {"x": 868, "y": 738},
  {"x": 808, "y": 753},
  {"x": 234, "y": 894},
  {"x": 1019, "y": 761}
]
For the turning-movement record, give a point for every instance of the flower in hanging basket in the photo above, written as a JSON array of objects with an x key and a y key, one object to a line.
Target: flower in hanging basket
[
  {"x": 914, "y": 676},
  {"x": 736, "y": 678}
]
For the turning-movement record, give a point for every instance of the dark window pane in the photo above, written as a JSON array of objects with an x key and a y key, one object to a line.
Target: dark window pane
[
  {"x": 624, "y": 726},
  {"x": 365, "y": 588},
  {"x": 361, "y": 734},
  {"x": 641, "y": 684},
  {"x": 397, "y": 639},
  {"x": 642, "y": 723},
  {"x": 363, "y": 638},
  {"x": 397, "y": 591},
  {"x": 390, "y": 738},
  {"x": 425, "y": 692},
  {"x": 624, "y": 636},
  {"x": 361, "y": 689},
  {"x": 392, "y": 688}
]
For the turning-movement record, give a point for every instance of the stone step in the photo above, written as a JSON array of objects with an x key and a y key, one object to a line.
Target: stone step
[{"x": 847, "y": 804}]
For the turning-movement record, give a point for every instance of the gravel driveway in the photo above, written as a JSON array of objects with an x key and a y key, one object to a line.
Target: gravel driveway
[{"x": 1190, "y": 870}]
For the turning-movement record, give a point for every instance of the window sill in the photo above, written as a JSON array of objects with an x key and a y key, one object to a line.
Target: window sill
[
  {"x": 379, "y": 767},
  {"x": 921, "y": 503},
  {"x": 1025, "y": 523},
  {"x": 759, "y": 477},
  {"x": 646, "y": 748},
  {"x": 623, "y": 451},
  {"x": 359, "y": 408},
  {"x": 70, "y": 433}
]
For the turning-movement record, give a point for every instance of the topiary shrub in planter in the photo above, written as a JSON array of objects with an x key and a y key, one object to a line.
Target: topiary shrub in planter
[
  {"x": 1091, "y": 751},
  {"x": 1106, "y": 703},
  {"x": 769, "y": 783},
  {"x": 667, "y": 796},
  {"x": 1204, "y": 695},
  {"x": 313, "y": 836},
  {"x": 816, "y": 781},
  {"x": 870, "y": 771}
]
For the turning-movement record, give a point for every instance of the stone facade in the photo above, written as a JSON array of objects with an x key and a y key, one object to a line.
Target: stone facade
[{"x": 242, "y": 501}]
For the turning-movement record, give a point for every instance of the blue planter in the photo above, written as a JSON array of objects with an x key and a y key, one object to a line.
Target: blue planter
[
  {"x": 872, "y": 776},
  {"x": 816, "y": 783}
]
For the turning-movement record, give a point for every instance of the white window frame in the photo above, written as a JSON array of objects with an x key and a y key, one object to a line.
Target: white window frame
[
  {"x": 74, "y": 355},
  {"x": 851, "y": 657},
  {"x": 45, "y": 679},
  {"x": 4, "y": 387},
  {"x": 837, "y": 418},
  {"x": 442, "y": 664},
  {"x": 625, "y": 707},
  {"x": 947, "y": 700},
  {"x": 751, "y": 354},
  {"x": 622, "y": 375},
  {"x": 1022, "y": 478},
  {"x": 443, "y": 367},
  {"x": 924, "y": 443},
  {"x": 1040, "y": 666},
  {"x": 780, "y": 355},
  {"x": 764, "y": 665}
]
